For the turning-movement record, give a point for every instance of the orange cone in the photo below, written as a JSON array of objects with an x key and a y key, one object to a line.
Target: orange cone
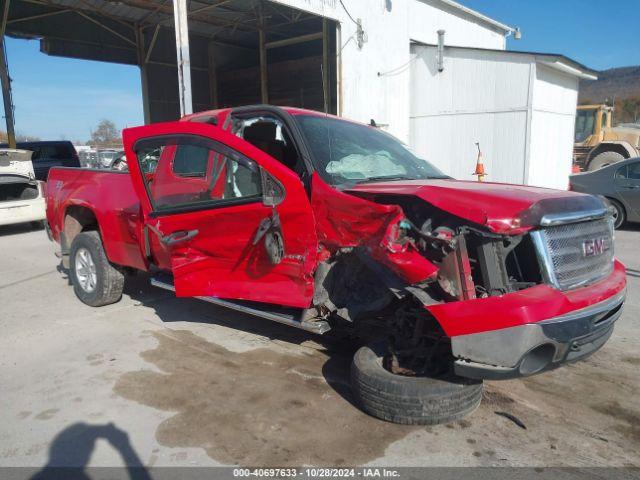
[{"x": 479, "y": 166}]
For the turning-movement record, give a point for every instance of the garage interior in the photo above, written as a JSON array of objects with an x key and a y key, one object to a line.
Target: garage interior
[{"x": 240, "y": 52}]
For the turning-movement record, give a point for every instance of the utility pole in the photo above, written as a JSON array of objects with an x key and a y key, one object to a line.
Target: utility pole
[
  {"x": 6, "y": 96},
  {"x": 182, "y": 49},
  {"x": 6, "y": 81},
  {"x": 144, "y": 79}
]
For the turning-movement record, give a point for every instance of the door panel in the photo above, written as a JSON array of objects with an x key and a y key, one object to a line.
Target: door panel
[
  {"x": 627, "y": 182},
  {"x": 211, "y": 228}
]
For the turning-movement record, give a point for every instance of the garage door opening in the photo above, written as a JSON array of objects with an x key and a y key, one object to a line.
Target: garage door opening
[
  {"x": 297, "y": 72},
  {"x": 241, "y": 51}
]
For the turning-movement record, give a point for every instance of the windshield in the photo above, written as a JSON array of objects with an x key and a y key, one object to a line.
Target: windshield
[
  {"x": 585, "y": 123},
  {"x": 346, "y": 152}
]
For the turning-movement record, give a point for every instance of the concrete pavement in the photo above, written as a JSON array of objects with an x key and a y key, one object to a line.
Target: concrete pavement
[{"x": 155, "y": 380}]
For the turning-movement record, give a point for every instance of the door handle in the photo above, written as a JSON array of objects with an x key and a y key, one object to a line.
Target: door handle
[{"x": 179, "y": 236}]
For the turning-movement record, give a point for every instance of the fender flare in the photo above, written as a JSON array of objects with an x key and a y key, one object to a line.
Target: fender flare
[
  {"x": 621, "y": 146},
  {"x": 65, "y": 244}
]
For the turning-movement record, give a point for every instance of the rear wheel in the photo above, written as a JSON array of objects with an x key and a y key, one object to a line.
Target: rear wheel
[
  {"x": 410, "y": 400},
  {"x": 96, "y": 281},
  {"x": 603, "y": 159}
]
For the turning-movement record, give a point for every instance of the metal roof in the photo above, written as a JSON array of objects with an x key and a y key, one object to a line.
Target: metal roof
[
  {"x": 234, "y": 21},
  {"x": 557, "y": 61},
  {"x": 479, "y": 16}
]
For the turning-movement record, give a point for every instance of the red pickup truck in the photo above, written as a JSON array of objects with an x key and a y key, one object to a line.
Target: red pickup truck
[{"x": 322, "y": 223}]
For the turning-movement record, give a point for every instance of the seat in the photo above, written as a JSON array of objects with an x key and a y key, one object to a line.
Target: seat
[{"x": 263, "y": 136}]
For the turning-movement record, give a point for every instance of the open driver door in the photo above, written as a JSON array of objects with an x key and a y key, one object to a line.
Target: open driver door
[{"x": 226, "y": 219}]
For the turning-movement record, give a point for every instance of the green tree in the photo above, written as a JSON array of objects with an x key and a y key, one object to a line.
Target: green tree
[
  {"x": 631, "y": 109},
  {"x": 105, "y": 133}
]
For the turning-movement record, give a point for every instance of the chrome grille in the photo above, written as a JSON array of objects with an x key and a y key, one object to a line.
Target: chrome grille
[{"x": 576, "y": 254}]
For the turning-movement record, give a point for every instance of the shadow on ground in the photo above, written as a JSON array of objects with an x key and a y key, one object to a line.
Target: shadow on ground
[
  {"x": 70, "y": 452},
  {"x": 631, "y": 227},
  {"x": 171, "y": 309},
  {"x": 337, "y": 349},
  {"x": 20, "y": 228},
  {"x": 632, "y": 272}
]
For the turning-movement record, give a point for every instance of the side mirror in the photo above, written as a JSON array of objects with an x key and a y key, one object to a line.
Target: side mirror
[{"x": 272, "y": 190}]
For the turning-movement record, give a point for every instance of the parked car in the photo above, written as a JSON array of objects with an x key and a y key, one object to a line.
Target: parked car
[
  {"x": 618, "y": 183},
  {"x": 107, "y": 157},
  {"x": 88, "y": 156},
  {"x": 324, "y": 224},
  {"x": 21, "y": 195},
  {"x": 49, "y": 154}
]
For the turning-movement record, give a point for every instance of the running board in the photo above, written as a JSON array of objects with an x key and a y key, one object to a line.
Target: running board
[{"x": 318, "y": 327}]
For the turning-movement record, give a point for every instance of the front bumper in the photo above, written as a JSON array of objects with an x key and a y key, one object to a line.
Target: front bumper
[{"x": 535, "y": 347}]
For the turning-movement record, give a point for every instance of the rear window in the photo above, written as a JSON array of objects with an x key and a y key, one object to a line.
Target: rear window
[
  {"x": 51, "y": 152},
  {"x": 62, "y": 152}
]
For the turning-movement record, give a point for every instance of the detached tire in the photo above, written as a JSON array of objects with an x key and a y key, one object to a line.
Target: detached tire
[
  {"x": 96, "y": 282},
  {"x": 409, "y": 400}
]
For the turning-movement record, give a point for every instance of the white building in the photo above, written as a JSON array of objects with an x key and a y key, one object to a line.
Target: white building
[
  {"x": 361, "y": 59},
  {"x": 520, "y": 107},
  {"x": 374, "y": 76}
]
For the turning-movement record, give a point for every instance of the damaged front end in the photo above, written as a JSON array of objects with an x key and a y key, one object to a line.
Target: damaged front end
[
  {"x": 400, "y": 265},
  {"x": 374, "y": 248},
  {"x": 21, "y": 195}
]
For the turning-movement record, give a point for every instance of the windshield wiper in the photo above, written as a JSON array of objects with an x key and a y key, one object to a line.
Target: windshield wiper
[{"x": 385, "y": 177}]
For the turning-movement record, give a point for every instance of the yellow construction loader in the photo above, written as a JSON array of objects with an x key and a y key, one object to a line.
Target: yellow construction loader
[{"x": 597, "y": 143}]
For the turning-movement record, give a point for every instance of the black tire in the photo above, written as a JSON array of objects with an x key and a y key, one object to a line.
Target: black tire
[
  {"x": 620, "y": 215},
  {"x": 603, "y": 159},
  {"x": 409, "y": 400},
  {"x": 109, "y": 281}
]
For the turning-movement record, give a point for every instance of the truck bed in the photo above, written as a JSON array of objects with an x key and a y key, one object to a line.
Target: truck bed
[{"x": 111, "y": 198}]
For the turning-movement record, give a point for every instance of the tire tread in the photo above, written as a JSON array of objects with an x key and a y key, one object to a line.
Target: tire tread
[
  {"x": 409, "y": 400},
  {"x": 110, "y": 280}
]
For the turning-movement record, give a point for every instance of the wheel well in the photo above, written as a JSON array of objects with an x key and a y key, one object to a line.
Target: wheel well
[
  {"x": 77, "y": 219},
  {"x": 618, "y": 202},
  {"x": 608, "y": 147}
]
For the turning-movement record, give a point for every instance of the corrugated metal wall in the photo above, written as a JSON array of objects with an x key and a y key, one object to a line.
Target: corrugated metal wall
[
  {"x": 375, "y": 78},
  {"x": 520, "y": 115},
  {"x": 552, "y": 127}
]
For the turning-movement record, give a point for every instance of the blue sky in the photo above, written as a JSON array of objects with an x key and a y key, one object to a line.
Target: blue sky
[
  {"x": 600, "y": 34},
  {"x": 58, "y": 98},
  {"x": 64, "y": 98}
]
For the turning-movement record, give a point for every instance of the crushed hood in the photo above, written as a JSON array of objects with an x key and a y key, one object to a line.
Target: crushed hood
[
  {"x": 15, "y": 164},
  {"x": 503, "y": 208}
]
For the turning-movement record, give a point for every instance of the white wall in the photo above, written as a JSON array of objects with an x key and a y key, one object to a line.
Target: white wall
[
  {"x": 521, "y": 111},
  {"x": 426, "y": 17},
  {"x": 376, "y": 78},
  {"x": 552, "y": 125},
  {"x": 478, "y": 97}
]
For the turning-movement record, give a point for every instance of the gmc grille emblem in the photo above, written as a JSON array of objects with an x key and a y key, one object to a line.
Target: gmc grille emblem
[{"x": 593, "y": 247}]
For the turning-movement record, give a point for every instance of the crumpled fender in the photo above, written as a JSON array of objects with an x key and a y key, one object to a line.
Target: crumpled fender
[
  {"x": 344, "y": 220},
  {"x": 502, "y": 208}
]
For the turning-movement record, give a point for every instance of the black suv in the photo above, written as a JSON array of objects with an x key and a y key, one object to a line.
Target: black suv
[{"x": 49, "y": 154}]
